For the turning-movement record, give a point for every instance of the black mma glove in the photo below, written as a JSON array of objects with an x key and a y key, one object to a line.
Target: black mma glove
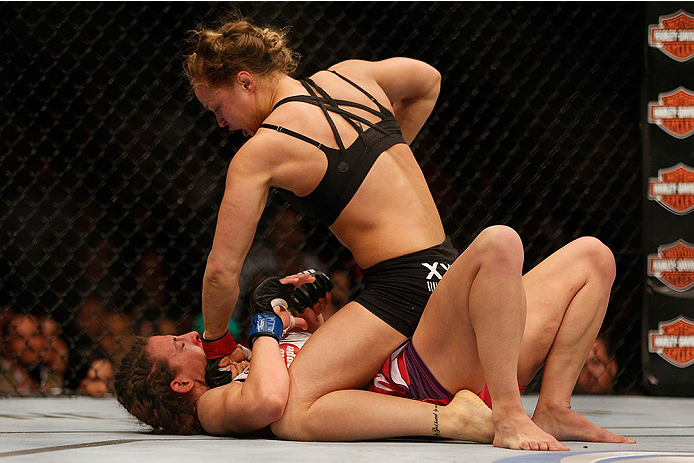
[
  {"x": 269, "y": 290},
  {"x": 216, "y": 350},
  {"x": 297, "y": 298},
  {"x": 309, "y": 293},
  {"x": 214, "y": 376},
  {"x": 266, "y": 296}
]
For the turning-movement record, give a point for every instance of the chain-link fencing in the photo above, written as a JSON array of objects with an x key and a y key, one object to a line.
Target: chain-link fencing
[{"x": 111, "y": 172}]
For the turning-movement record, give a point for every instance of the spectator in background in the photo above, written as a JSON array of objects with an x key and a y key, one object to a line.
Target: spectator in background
[
  {"x": 14, "y": 375},
  {"x": 99, "y": 379},
  {"x": 599, "y": 373},
  {"x": 32, "y": 356},
  {"x": 98, "y": 335},
  {"x": 54, "y": 359}
]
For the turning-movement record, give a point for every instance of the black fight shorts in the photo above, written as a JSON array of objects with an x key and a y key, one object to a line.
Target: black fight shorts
[{"x": 397, "y": 290}]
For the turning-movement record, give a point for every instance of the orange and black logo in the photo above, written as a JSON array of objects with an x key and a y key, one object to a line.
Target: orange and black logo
[
  {"x": 674, "y": 341},
  {"x": 673, "y": 189},
  {"x": 674, "y": 112},
  {"x": 673, "y": 265},
  {"x": 674, "y": 35}
]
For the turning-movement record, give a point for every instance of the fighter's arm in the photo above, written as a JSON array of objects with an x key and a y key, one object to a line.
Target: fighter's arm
[
  {"x": 242, "y": 408},
  {"x": 247, "y": 185},
  {"x": 412, "y": 86}
]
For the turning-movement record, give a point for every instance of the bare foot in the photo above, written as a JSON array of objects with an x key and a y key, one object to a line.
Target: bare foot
[
  {"x": 517, "y": 431},
  {"x": 567, "y": 424},
  {"x": 467, "y": 418}
]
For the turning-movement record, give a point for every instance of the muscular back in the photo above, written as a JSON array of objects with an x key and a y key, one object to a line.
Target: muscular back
[{"x": 392, "y": 212}]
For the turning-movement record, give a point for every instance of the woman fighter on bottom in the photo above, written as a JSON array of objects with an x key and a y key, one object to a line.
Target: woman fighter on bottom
[
  {"x": 171, "y": 384},
  {"x": 475, "y": 330}
]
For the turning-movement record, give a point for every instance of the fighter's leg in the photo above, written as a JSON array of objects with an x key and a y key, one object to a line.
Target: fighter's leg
[
  {"x": 344, "y": 355},
  {"x": 471, "y": 331},
  {"x": 567, "y": 296}
]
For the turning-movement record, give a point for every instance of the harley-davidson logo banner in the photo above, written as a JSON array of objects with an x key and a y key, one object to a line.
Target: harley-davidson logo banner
[
  {"x": 674, "y": 341},
  {"x": 674, "y": 35},
  {"x": 667, "y": 198},
  {"x": 673, "y": 189},
  {"x": 674, "y": 112},
  {"x": 673, "y": 265}
]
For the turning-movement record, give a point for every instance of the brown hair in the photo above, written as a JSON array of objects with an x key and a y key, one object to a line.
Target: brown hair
[
  {"x": 218, "y": 54},
  {"x": 143, "y": 387}
]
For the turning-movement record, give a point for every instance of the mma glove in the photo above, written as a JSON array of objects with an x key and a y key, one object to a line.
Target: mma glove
[
  {"x": 216, "y": 350},
  {"x": 309, "y": 293},
  {"x": 271, "y": 293}
]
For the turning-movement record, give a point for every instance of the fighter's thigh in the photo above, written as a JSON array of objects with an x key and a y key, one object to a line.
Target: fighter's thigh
[
  {"x": 550, "y": 288},
  {"x": 444, "y": 338},
  {"x": 345, "y": 353}
]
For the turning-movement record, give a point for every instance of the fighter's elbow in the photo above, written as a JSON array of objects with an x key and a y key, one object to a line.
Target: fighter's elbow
[
  {"x": 270, "y": 406},
  {"x": 434, "y": 78},
  {"x": 217, "y": 272},
  {"x": 274, "y": 408},
  {"x": 435, "y": 75}
]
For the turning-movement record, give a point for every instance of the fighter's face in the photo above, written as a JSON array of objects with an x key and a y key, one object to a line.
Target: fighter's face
[
  {"x": 184, "y": 353},
  {"x": 232, "y": 106},
  {"x": 597, "y": 375}
]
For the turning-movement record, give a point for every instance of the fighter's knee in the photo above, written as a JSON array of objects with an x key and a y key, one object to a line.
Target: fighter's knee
[
  {"x": 501, "y": 243},
  {"x": 599, "y": 257}
]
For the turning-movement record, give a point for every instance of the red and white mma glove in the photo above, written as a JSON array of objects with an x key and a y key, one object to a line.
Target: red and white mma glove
[{"x": 216, "y": 350}]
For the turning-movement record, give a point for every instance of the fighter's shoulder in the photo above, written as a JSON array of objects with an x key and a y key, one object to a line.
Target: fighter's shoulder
[
  {"x": 373, "y": 69},
  {"x": 261, "y": 152}
]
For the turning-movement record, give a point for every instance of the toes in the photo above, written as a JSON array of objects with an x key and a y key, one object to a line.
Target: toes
[
  {"x": 559, "y": 447},
  {"x": 626, "y": 440},
  {"x": 527, "y": 445}
]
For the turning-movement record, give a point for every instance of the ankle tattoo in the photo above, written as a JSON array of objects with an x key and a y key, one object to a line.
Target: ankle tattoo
[{"x": 435, "y": 429}]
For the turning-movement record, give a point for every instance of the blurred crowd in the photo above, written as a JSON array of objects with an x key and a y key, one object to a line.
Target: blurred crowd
[
  {"x": 41, "y": 355},
  {"x": 77, "y": 354}
]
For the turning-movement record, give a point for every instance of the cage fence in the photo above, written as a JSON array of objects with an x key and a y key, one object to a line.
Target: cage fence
[{"x": 112, "y": 173}]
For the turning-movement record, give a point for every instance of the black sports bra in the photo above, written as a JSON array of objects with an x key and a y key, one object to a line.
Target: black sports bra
[{"x": 347, "y": 166}]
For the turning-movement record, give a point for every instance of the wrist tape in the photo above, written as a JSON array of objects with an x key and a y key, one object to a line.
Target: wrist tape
[
  {"x": 219, "y": 347},
  {"x": 265, "y": 324}
]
